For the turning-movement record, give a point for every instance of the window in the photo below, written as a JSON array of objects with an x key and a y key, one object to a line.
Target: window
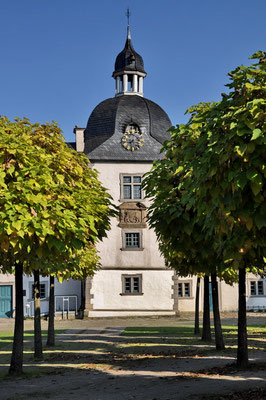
[
  {"x": 184, "y": 289},
  {"x": 131, "y": 187},
  {"x": 260, "y": 288},
  {"x": 130, "y": 83},
  {"x": 42, "y": 291},
  {"x": 132, "y": 240},
  {"x": 131, "y": 284},
  {"x": 256, "y": 288}
]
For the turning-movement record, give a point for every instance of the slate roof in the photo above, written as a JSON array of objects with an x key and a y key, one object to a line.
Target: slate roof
[
  {"x": 107, "y": 124},
  {"x": 128, "y": 59},
  {"x": 72, "y": 145}
]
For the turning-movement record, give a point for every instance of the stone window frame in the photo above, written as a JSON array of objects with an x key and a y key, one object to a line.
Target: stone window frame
[
  {"x": 256, "y": 281},
  {"x": 140, "y": 232},
  {"x": 183, "y": 282},
  {"x": 131, "y": 276},
  {"x": 121, "y": 176}
]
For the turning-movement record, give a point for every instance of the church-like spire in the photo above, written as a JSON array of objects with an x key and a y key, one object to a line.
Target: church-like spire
[
  {"x": 128, "y": 33},
  {"x": 129, "y": 68},
  {"x": 128, "y": 14}
]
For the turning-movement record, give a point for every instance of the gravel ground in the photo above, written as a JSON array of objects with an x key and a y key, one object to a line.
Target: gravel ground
[{"x": 101, "y": 366}]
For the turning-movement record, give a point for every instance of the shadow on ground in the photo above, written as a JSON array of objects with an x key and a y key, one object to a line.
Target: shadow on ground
[{"x": 107, "y": 365}]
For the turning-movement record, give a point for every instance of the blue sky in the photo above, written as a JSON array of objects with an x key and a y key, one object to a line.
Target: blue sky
[{"x": 57, "y": 56}]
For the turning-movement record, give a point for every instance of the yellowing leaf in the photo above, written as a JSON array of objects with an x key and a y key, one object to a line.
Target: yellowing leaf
[
  {"x": 5, "y": 244},
  {"x": 249, "y": 223}
]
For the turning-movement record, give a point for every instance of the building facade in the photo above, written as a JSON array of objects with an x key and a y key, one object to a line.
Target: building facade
[{"x": 124, "y": 134}]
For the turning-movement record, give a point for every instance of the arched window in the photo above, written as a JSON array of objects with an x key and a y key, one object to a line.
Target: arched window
[{"x": 133, "y": 128}]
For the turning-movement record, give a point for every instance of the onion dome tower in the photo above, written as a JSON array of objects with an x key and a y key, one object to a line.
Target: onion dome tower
[{"x": 127, "y": 127}]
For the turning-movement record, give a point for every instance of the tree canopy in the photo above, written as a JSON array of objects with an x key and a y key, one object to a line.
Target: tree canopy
[
  {"x": 209, "y": 192},
  {"x": 53, "y": 208},
  {"x": 210, "y": 187}
]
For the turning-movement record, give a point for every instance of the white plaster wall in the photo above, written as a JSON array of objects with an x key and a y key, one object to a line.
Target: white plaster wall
[
  {"x": 156, "y": 288},
  {"x": 79, "y": 139},
  {"x": 110, "y": 248},
  {"x": 188, "y": 304},
  {"x": 228, "y": 297},
  {"x": 7, "y": 279},
  {"x": 259, "y": 301}
]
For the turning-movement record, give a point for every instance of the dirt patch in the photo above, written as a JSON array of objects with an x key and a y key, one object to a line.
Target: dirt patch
[
  {"x": 96, "y": 362},
  {"x": 253, "y": 394}
]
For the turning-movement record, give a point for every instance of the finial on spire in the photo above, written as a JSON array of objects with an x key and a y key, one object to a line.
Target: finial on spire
[{"x": 128, "y": 13}]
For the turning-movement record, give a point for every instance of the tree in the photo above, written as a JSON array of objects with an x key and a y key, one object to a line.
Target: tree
[
  {"x": 51, "y": 333},
  {"x": 216, "y": 314},
  {"x": 88, "y": 263},
  {"x": 196, "y": 324},
  {"x": 37, "y": 317},
  {"x": 227, "y": 175},
  {"x": 206, "y": 331},
  {"x": 179, "y": 230},
  {"x": 51, "y": 207}
]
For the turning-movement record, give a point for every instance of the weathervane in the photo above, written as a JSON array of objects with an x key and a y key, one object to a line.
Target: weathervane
[{"x": 128, "y": 13}]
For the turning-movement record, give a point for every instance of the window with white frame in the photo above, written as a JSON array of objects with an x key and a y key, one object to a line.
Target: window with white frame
[
  {"x": 256, "y": 288},
  {"x": 131, "y": 187},
  {"x": 184, "y": 289},
  {"x": 131, "y": 284},
  {"x": 42, "y": 291}
]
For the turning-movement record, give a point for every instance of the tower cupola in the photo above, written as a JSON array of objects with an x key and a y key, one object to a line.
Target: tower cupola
[{"x": 129, "y": 70}]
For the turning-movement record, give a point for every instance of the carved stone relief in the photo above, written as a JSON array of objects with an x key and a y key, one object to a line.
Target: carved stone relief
[{"x": 132, "y": 214}]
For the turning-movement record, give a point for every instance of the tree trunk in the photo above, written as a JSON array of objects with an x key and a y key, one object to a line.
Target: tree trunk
[
  {"x": 51, "y": 336},
  {"x": 242, "y": 349},
  {"x": 37, "y": 317},
  {"x": 83, "y": 291},
  {"x": 16, "y": 363},
  {"x": 216, "y": 314},
  {"x": 206, "y": 329},
  {"x": 196, "y": 327}
]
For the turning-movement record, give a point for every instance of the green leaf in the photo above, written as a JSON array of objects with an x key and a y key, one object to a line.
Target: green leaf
[
  {"x": 260, "y": 220},
  {"x": 256, "y": 134},
  {"x": 233, "y": 125},
  {"x": 249, "y": 223},
  {"x": 256, "y": 187},
  {"x": 252, "y": 174}
]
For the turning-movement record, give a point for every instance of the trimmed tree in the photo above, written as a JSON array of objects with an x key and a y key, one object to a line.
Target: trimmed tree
[
  {"x": 86, "y": 263},
  {"x": 227, "y": 177},
  {"x": 51, "y": 206},
  {"x": 196, "y": 323},
  {"x": 179, "y": 230}
]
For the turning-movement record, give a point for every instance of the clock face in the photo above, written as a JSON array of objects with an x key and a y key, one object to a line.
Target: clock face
[{"x": 132, "y": 138}]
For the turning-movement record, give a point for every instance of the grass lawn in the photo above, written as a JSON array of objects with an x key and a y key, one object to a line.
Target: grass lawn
[
  {"x": 184, "y": 335},
  {"x": 6, "y": 338}
]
